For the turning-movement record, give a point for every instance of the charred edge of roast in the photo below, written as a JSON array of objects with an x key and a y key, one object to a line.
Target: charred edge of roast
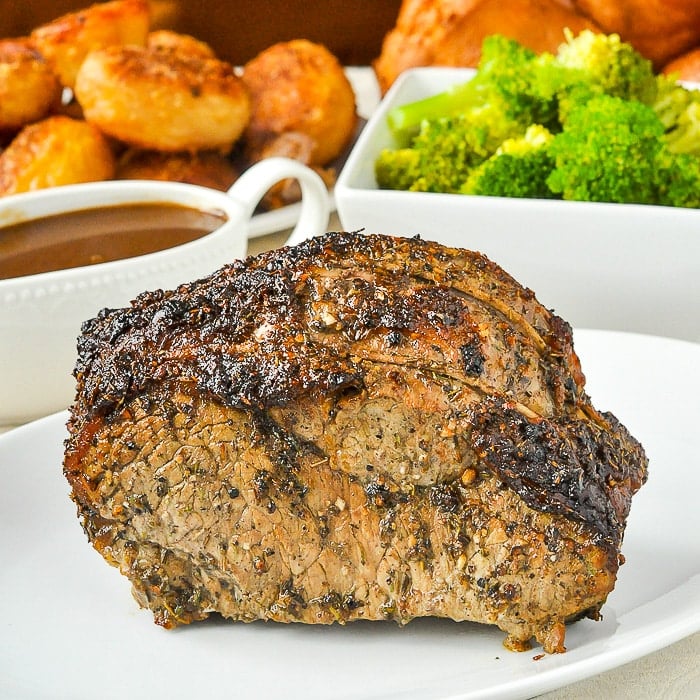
[
  {"x": 218, "y": 309},
  {"x": 560, "y": 466}
]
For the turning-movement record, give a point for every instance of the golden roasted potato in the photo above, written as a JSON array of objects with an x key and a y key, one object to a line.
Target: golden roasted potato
[
  {"x": 66, "y": 41},
  {"x": 28, "y": 86},
  {"x": 163, "y": 100},
  {"x": 206, "y": 168},
  {"x": 167, "y": 40},
  {"x": 300, "y": 86},
  {"x": 55, "y": 151}
]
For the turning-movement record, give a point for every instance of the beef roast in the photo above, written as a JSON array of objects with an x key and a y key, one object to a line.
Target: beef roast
[{"x": 358, "y": 427}]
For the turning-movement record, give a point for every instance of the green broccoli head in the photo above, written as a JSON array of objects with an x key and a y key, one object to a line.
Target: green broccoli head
[
  {"x": 619, "y": 130},
  {"x": 519, "y": 168},
  {"x": 396, "y": 169},
  {"x": 678, "y": 178},
  {"x": 607, "y": 152},
  {"x": 608, "y": 66},
  {"x": 525, "y": 82},
  {"x": 504, "y": 82},
  {"x": 449, "y": 148},
  {"x": 679, "y": 110},
  {"x": 444, "y": 151}
]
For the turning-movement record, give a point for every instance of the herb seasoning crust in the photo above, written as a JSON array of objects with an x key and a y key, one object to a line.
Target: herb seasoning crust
[{"x": 357, "y": 427}]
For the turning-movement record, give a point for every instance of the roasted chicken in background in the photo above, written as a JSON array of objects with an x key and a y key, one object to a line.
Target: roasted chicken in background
[
  {"x": 686, "y": 66},
  {"x": 303, "y": 107},
  {"x": 359, "y": 427},
  {"x": 450, "y": 32}
]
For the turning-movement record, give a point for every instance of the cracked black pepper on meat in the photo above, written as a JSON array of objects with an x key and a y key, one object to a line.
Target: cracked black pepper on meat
[{"x": 358, "y": 427}]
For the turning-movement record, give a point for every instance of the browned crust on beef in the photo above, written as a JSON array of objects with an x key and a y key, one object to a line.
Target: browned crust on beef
[{"x": 405, "y": 413}]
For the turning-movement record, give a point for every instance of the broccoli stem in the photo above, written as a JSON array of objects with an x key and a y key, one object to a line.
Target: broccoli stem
[{"x": 405, "y": 120}]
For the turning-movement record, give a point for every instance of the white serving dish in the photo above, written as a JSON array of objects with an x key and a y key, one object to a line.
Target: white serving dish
[
  {"x": 41, "y": 315},
  {"x": 611, "y": 266}
]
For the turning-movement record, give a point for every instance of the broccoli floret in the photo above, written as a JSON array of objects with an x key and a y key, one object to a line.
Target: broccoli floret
[
  {"x": 678, "y": 177},
  {"x": 615, "y": 131},
  {"x": 679, "y": 110},
  {"x": 445, "y": 150},
  {"x": 589, "y": 65},
  {"x": 608, "y": 66},
  {"x": 529, "y": 87},
  {"x": 500, "y": 84},
  {"x": 519, "y": 168},
  {"x": 397, "y": 169},
  {"x": 607, "y": 152},
  {"x": 523, "y": 80}
]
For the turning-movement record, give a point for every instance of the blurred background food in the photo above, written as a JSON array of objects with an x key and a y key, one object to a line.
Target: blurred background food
[
  {"x": 450, "y": 32},
  {"x": 659, "y": 29},
  {"x": 237, "y": 30},
  {"x": 686, "y": 66},
  {"x": 55, "y": 151},
  {"x": 149, "y": 101},
  {"x": 197, "y": 91}
]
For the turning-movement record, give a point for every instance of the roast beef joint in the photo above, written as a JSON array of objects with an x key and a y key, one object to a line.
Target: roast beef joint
[{"x": 360, "y": 427}]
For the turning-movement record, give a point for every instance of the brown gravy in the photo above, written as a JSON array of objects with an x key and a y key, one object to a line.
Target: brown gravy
[{"x": 102, "y": 234}]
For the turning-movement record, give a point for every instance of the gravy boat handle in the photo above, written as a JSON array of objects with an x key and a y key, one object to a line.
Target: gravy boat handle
[{"x": 315, "y": 210}]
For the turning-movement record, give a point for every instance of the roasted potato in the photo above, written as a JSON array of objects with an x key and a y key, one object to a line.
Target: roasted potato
[
  {"x": 206, "y": 168},
  {"x": 166, "y": 40},
  {"x": 66, "y": 41},
  {"x": 299, "y": 86},
  {"x": 28, "y": 86},
  {"x": 55, "y": 151},
  {"x": 162, "y": 100}
]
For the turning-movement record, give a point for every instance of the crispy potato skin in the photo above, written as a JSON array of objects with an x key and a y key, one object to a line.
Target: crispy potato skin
[
  {"x": 300, "y": 86},
  {"x": 206, "y": 168},
  {"x": 450, "y": 32},
  {"x": 163, "y": 100},
  {"x": 66, "y": 41},
  {"x": 685, "y": 67},
  {"x": 55, "y": 151},
  {"x": 167, "y": 40},
  {"x": 28, "y": 86}
]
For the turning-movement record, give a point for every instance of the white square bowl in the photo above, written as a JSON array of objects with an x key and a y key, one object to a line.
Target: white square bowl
[{"x": 614, "y": 266}]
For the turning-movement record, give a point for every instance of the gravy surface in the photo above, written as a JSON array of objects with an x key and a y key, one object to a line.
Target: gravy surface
[{"x": 103, "y": 234}]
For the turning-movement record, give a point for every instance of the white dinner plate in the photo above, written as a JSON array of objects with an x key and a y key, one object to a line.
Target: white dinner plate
[
  {"x": 70, "y": 629},
  {"x": 367, "y": 97}
]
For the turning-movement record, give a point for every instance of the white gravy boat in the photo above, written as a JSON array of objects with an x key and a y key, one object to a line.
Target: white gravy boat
[{"x": 41, "y": 314}]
